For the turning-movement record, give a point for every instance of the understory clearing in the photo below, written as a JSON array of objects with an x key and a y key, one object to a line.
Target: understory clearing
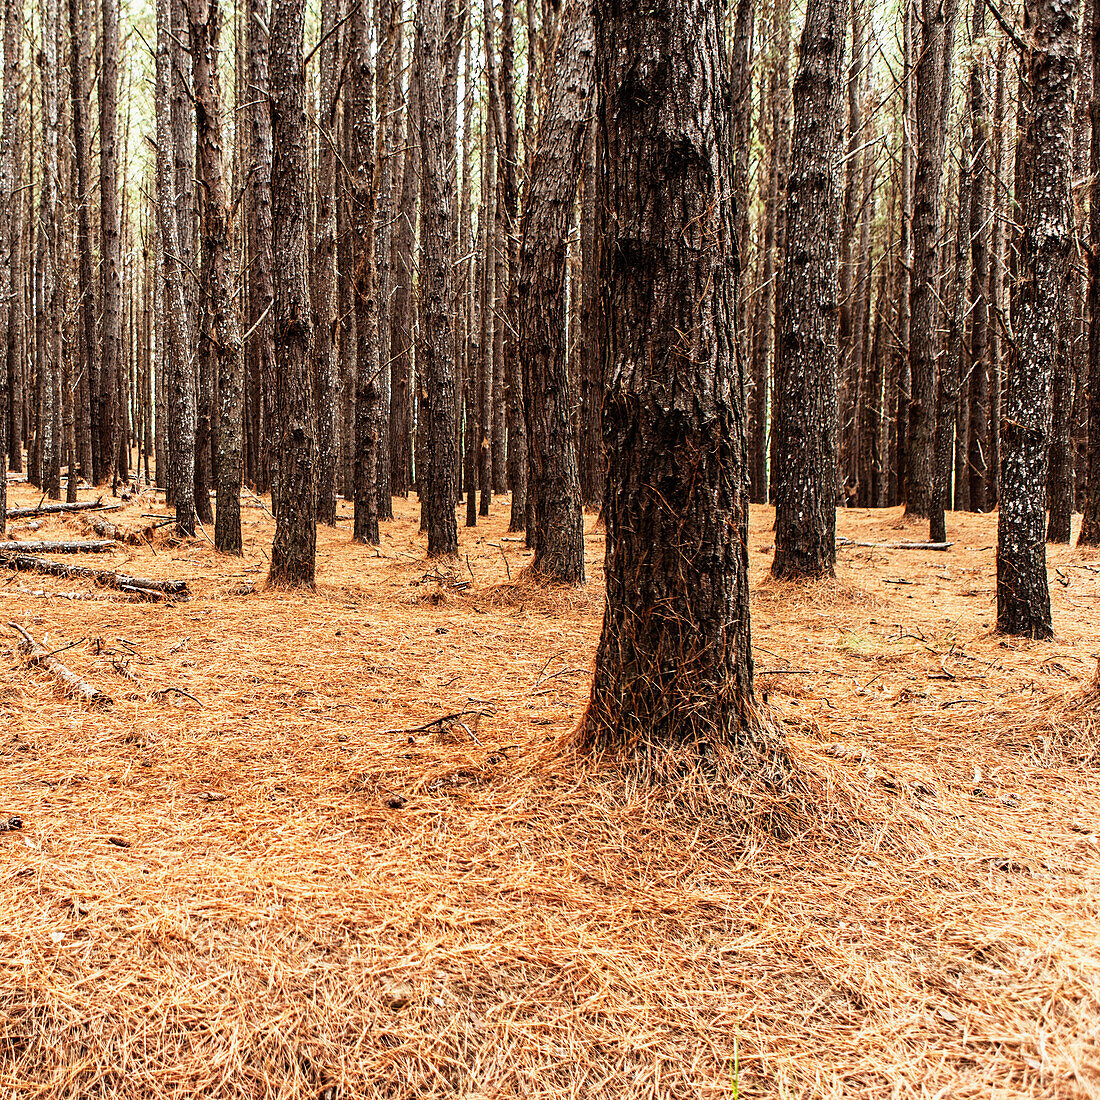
[{"x": 263, "y": 871}]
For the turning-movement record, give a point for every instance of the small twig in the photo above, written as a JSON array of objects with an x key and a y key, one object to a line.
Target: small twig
[
  {"x": 456, "y": 717},
  {"x": 180, "y": 691}
]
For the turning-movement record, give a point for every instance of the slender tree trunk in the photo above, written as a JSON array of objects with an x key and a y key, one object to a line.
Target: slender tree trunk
[
  {"x": 548, "y": 210},
  {"x": 1090, "y": 521},
  {"x": 807, "y": 351},
  {"x": 1023, "y": 598},
  {"x": 12, "y": 350},
  {"x": 50, "y": 366},
  {"x": 487, "y": 319},
  {"x": 110, "y": 230},
  {"x": 673, "y": 678},
  {"x": 294, "y": 551},
  {"x": 9, "y": 223}
]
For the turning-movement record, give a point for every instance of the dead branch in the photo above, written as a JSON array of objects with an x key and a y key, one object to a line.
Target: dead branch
[
  {"x": 44, "y": 546},
  {"x": 40, "y": 656},
  {"x": 51, "y": 509},
  {"x": 149, "y": 589},
  {"x": 897, "y": 545}
]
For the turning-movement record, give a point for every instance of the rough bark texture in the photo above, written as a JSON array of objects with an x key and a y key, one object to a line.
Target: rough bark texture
[
  {"x": 12, "y": 350},
  {"x": 1023, "y": 599},
  {"x": 550, "y": 413},
  {"x": 435, "y": 351},
  {"x": 181, "y": 387},
  {"x": 293, "y": 553},
  {"x": 110, "y": 233},
  {"x": 52, "y": 304},
  {"x": 807, "y": 351},
  {"x": 363, "y": 164},
  {"x": 9, "y": 222},
  {"x": 324, "y": 272},
  {"x": 225, "y": 337},
  {"x": 1090, "y": 521},
  {"x": 673, "y": 678},
  {"x": 936, "y": 22}
]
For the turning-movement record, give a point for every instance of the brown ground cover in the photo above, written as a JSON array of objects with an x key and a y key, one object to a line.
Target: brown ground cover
[{"x": 251, "y": 876}]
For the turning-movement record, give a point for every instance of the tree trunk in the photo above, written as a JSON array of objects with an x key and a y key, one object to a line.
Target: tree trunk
[
  {"x": 110, "y": 230},
  {"x": 549, "y": 409},
  {"x": 10, "y": 243},
  {"x": 205, "y": 21},
  {"x": 435, "y": 351},
  {"x": 181, "y": 388},
  {"x": 324, "y": 270},
  {"x": 1023, "y": 599},
  {"x": 673, "y": 678},
  {"x": 932, "y": 79},
  {"x": 807, "y": 352},
  {"x": 1090, "y": 521},
  {"x": 293, "y": 553},
  {"x": 50, "y": 366},
  {"x": 261, "y": 275}
]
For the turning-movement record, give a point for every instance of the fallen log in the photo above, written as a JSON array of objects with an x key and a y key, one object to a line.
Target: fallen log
[
  {"x": 896, "y": 545},
  {"x": 107, "y": 530},
  {"x": 74, "y": 685},
  {"x": 150, "y": 589},
  {"x": 53, "y": 509},
  {"x": 43, "y": 546}
]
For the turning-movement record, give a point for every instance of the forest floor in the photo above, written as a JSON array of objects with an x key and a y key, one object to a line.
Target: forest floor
[{"x": 247, "y": 877}]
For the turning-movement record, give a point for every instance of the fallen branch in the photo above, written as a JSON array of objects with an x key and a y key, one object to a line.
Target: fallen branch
[
  {"x": 40, "y": 656},
  {"x": 150, "y": 589},
  {"x": 456, "y": 718},
  {"x": 897, "y": 545},
  {"x": 107, "y": 530},
  {"x": 77, "y": 546},
  {"x": 52, "y": 509}
]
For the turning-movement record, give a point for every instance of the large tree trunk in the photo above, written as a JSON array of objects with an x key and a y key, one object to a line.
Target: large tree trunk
[
  {"x": 401, "y": 332},
  {"x": 549, "y": 409},
  {"x": 1023, "y": 599},
  {"x": 673, "y": 678},
  {"x": 181, "y": 387},
  {"x": 806, "y": 349},
  {"x": 50, "y": 366},
  {"x": 205, "y": 21},
  {"x": 293, "y": 553},
  {"x": 933, "y": 70},
  {"x": 980, "y": 196},
  {"x": 364, "y": 166},
  {"x": 261, "y": 264},
  {"x": 435, "y": 351},
  {"x": 110, "y": 232},
  {"x": 324, "y": 271},
  {"x": 9, "y": 222}
]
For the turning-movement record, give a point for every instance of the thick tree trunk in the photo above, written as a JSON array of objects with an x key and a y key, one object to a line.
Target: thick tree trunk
[
  {"x": 807, "y": 351},
  {"x": 933, "y": 69},
  {"x": 110, "y": 231},
  {"x": 261, "y": 276},
  {"x": 1023, "y": 598},
  {"x": 293, "y": 553},
  {"x": 435, "y": 351},
  {"x": 401, "y": 332},
  {"x": 549, "y": 409},
  {"x": 324, "y": 271},
  {"x": 181, "y": 386},
  {"x": 364, "y": 166},
  {"x": 205, "y": 21},
  {"x": 673, "y": 679}
]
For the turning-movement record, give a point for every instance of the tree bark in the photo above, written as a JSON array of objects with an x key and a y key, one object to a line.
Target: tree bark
[
  {"x": 673, "y": 679},
  {"x": 1090, "y": 521},
  {"x": 324, "y": 270},
  {"x": 932, "y": 79},
  {"x": 293, "y": 553},
  {"x": 10, "y": 243},
  {"x": 205, "y": 20},
  {"x": 435, "y": 351},
  {"x": 549, "y": 409},
  {"x": 110, "y": 229},
  {"x": 1023, "y": 598},
  {"x": 807, "y": 353}
]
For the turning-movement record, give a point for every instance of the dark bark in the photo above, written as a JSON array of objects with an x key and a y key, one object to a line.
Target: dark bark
[
  {"x": 293, "y": 552},
  {"x": 435, "y": 351},
  {"x": 1090, "y": 521},
  {"x": 673, "y": 678},
  {"x": 324, "y": 271},
  {"x": 807, "y": 350},
  {"x": 224, "y": 336},
  {"x": 10, "y": 244},
  {"x": 110, "y": 230},
  {"x": 1023, "y": 598},
  {"x": 932, "y": 80},
  {"x": 549, "y": 409}
]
